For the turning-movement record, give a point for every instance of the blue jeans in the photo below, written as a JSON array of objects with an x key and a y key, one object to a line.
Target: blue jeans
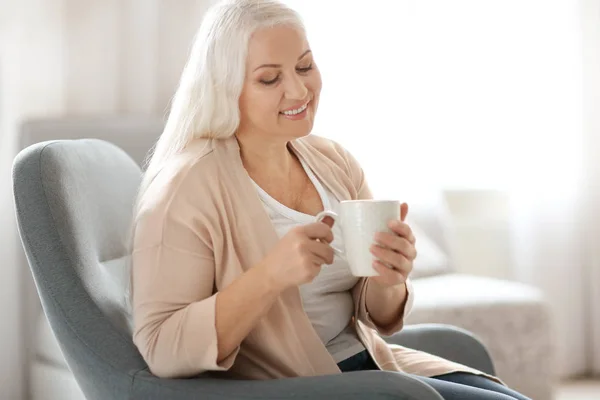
[{"x": 454, "y": 386}]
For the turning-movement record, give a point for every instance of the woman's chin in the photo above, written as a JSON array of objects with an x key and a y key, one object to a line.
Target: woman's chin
[
  {"x": 299, "y": 132},
  {"x": 296, "y": 128}
]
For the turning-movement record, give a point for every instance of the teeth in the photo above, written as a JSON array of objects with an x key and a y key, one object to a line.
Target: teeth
[{"x": 296, "y": 111}]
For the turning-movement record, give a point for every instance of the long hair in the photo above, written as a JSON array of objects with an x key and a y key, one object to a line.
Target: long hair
[{"x": 206, "y": 103}]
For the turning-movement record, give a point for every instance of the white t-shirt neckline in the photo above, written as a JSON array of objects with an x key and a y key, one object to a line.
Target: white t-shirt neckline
[
  {"x": 290, "y": 212},
  {"x": 327, "y": 300}
]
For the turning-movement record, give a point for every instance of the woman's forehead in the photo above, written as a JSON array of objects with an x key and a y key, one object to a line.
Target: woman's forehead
[{"x": 276, "y": 45}]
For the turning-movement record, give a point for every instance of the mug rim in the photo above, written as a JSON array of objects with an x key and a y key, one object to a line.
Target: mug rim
[{"x": 370, "y": 201}]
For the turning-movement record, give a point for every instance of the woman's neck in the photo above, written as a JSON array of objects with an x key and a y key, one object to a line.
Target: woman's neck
[{"x": 266, "y": 157}]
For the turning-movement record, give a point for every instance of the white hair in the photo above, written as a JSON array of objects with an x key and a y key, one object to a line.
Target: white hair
[{"x": 206, "y": 103}]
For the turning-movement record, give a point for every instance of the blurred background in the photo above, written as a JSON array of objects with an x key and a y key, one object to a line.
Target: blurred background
[{"x": 484, "y": 113}]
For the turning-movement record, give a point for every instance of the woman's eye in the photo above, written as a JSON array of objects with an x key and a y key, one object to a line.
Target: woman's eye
[
  {"x": 270, "y": 82},
  {"x": 273, "y": 81},
  {"x": 305, "y": 69}
]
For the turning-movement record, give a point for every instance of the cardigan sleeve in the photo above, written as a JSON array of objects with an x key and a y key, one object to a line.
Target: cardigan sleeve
[
  {"x": 359, "y": 292},
  {"x": 173, "y": 274}
]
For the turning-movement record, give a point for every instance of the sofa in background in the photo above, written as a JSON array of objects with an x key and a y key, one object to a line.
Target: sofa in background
[{"x": 510, "y": 318}]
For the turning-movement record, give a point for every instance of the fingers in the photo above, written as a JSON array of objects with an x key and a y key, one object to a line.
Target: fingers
[
  {"x": 318, "y": 230},
  {"x": 402, "y": 229},
  {"x": 387, "y": 275},
  {"x": 392, "y": 258},
  {"x": 396, "y": 243},
  {"x": 322, "y": 251},
  {"x": 403, "y": 211},
  {"x": 328, "y": 221}
]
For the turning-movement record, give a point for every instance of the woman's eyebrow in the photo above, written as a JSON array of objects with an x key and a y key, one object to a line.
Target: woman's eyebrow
[{"x": 279, "y": 65}]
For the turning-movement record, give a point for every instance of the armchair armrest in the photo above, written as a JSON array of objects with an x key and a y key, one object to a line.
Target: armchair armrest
[
  {"x": 372, "y": 385},
  {"x": 452, "y": 343}
]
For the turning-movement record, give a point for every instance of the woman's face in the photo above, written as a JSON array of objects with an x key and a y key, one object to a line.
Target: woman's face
[{"x": 282, "y": 85}]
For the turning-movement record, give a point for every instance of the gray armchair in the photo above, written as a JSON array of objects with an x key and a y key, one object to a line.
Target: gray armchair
[{"x": 74, "y": 200}]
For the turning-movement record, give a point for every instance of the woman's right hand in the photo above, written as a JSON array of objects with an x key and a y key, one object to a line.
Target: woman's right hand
[{"x": 298, "y": 256}]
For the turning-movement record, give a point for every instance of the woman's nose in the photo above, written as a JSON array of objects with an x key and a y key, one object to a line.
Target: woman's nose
[{"x": 295, "y": 88}]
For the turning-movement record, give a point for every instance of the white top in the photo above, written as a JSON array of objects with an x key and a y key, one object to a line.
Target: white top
[{"x": 327, "y": 299}]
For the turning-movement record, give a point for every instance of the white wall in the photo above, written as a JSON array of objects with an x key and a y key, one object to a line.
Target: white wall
[
  {"x": 68, "y": 57},
  {"x": 479, "y": 232},
  {"x": 25, "y": 89},
  {"x": 591, "y": 53},
  {"x": 500, "y": 109}
]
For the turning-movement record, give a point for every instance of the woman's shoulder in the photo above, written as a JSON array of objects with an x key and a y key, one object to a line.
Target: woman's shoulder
[
  {"x": 175, "y": 198},
  {"x": 329, "y": 149},
  {"x": 183, "y": 177},
  {"x": 322, "y": 144}
]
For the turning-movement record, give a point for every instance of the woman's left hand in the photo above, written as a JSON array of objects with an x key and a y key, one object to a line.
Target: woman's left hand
[{"x": 396, "y": 250}]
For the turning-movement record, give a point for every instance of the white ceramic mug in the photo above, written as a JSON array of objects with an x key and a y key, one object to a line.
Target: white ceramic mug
[{"x": 359, "y": 220}]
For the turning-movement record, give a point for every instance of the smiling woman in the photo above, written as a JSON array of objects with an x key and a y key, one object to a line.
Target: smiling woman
[
  {"x": 284, "y": 89},
  {"x": 231, "y": 271}
]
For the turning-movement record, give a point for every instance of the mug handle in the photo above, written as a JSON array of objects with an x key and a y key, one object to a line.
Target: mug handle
[{"x": 320, "y": 216}]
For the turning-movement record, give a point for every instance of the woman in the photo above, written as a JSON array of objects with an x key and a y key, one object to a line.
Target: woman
[{"x": 230, "y": 270}]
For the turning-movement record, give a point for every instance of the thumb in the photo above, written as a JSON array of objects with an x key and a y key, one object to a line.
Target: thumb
[
  {"x": 403, "y": 211},
  {"x": 328, "y": 221}
]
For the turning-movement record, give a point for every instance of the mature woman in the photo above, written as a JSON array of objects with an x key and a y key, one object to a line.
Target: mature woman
[{"x": 230, "y": 270}]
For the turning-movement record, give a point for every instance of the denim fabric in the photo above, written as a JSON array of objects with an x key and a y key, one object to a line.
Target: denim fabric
[
  {"x": 454, "y": 386},
  {"x": 460, "y": 385},
  {"x": 359, "y": 362}
]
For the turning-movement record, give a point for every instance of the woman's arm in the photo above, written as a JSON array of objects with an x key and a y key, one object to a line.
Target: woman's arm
[
  {"x": 239, "y": 308},
  {"x": 385, "y": 304},
  {"x": 296, "y": 259},
  {"x": 174, "y": 306},
  {"x": 181, "y": 333},
  {"x": 367, "y": 309},
  {"x": 181, "y": 327}
]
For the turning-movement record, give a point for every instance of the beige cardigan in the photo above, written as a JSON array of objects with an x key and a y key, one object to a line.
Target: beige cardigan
[{"x": 202, "y": 225}]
